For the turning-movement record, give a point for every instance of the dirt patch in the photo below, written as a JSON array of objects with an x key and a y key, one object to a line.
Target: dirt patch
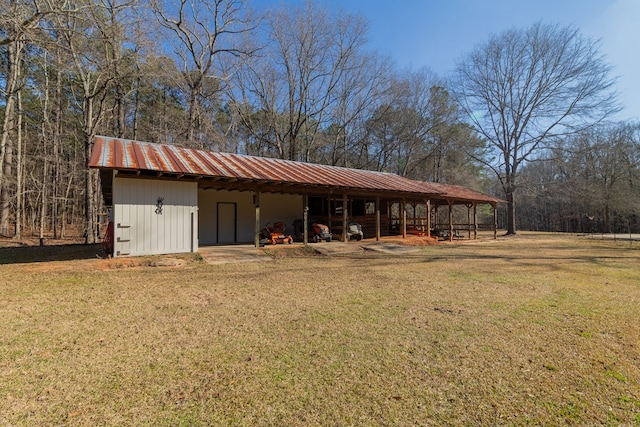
[
  {"x": 291, "y": 251},
  {"x": 166, "y": 261},
  {"x": 410, "y": 240}
]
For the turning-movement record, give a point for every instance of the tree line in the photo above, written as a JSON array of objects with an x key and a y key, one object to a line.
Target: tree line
[
  {"x": 589, "y": 183},
  {"x": 294, "y": 81}
]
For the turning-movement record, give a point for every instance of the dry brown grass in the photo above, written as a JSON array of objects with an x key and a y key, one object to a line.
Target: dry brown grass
[{"x": 524, "y": 331}]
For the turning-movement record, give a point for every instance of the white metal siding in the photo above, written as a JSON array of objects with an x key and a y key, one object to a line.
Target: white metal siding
[{"x": 142, "y": 227}]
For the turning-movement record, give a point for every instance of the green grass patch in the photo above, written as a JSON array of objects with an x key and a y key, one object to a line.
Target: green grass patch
[{"x": 618, "y": 376}]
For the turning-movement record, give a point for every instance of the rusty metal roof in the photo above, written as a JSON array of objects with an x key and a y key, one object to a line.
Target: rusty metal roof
[
  {"x": 456, "y": 192},
  {"x": 126, "y": 155}
]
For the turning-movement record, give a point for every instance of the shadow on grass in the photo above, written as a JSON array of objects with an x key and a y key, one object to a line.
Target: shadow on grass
[
  {"x": 552, "y": 262},
  {"x": 65, "y": 252}
]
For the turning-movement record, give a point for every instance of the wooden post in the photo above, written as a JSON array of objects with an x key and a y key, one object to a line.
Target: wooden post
[
  {"x": 450, "y": 220},
  {"x": 495, "y": 221},
  {"x": 403, "y": 218},
  {"x": 415, "y": 215},
  {"x": 475, "y": 221},
  {"x": 329, "y": 214},
  {"x": 377, "y": 218},
  {"x": 344, "y": 218},
  {"x": 469, "y": 206},
  {"x": 256, "y": 230},
  {"x": 428, "y": 203},
  {"x": 305, "y": 220}
]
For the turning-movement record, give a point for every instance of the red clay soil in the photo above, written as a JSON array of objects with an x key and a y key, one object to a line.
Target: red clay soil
[{"x": 410, "y": 240}]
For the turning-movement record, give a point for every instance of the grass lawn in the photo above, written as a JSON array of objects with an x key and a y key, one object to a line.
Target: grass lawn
[{"x": 531, "y": 330}]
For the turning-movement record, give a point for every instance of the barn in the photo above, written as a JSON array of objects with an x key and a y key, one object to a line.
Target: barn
[{"x": 170, "y": 199}]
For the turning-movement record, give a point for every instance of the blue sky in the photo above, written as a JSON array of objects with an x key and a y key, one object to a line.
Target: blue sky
[{"x": 434, "y": 33}]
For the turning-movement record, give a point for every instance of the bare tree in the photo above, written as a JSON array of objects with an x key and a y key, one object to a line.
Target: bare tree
[
  {"x": 525, "y": 88},
  {"x": 157, "y": 104},
  {"x": 603, "y": 166},
  {"x": 417, "y": 131},
  {"x": 283, "y": 96},
  {"x": 83, "y": 28},
  {"x": 17, "y": 20},
  {"x": 590, "y": 182},
  {"x": 20, "y": 25},
  {"x": 359, "y": 92},
  {"x": 124, "y": 40},
  {"x": 200, "y": 32}
]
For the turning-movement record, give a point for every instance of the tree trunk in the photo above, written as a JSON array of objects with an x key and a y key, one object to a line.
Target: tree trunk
[
  {"x": 19, "y": 168},
  {"x": 136, "y": 106},
  {"x": 57, "y": 137},
  {"x": 511, "y": 213},
  {"x": 89, "y": 198},
  {"x": 43, "y": 196},
  {"x": 89, "y": 205},
  {"x": 65, "y": 206},
  {"x": 5, "y": 194},
  {"x": 120, "y": 111},
  {"x": 191, "y": 125},
  {"x": 607, "y": 219},
  {"x": 14, "y": 50}
]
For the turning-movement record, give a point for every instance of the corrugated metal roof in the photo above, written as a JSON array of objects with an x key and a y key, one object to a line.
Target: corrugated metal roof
[
  {"x": 456, "y": 192},
  {"x": 123, "y": 154}
]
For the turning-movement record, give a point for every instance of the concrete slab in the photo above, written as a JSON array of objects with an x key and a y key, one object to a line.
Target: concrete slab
[
  {"x": 336, "y": 247},
  {"x": 354, "y": 247},
  {"x": 248, "y": 253},
  {"x": 233, "y": 253},
  {"x": 390, "y": 248}
]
